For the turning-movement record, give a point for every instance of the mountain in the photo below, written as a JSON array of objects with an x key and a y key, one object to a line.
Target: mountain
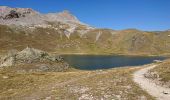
[{"x": 64, "y": 33}]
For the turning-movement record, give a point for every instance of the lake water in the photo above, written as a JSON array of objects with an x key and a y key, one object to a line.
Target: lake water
[{"x": 93, "y": 62}]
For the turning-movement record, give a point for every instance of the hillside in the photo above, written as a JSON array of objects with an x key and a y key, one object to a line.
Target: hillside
[{"x": 64, "y": 33}]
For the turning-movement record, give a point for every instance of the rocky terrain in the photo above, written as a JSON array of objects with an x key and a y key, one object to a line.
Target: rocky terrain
[
  {"x": 64, "y": 33},
  {"x": 32, "y": 60}
]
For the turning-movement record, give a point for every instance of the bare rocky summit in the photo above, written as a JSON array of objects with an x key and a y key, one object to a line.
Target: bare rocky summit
[
  {"x": 29, "y": 17},
  {"x": 34, "y": 60}
]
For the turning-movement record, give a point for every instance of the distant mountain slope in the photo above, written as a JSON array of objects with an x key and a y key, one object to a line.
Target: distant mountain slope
[{"x": 64, "y": 33}]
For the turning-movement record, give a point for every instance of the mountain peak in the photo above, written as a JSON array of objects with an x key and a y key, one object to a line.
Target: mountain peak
[
  {"x": 63, "y": 16},
  {"x": 66, "y": 11},
  {"x": 28, "y": 16},
  {"x": 67, "y": 15}
]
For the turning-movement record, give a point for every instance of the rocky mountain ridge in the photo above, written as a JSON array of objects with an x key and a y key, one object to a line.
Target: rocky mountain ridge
[
  {"x": 28, "y": 16},
  {"x": 29, "y": 19}
]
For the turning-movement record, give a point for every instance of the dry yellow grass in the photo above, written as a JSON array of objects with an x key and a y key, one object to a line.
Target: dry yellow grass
[{"x": 74, "y": 84}]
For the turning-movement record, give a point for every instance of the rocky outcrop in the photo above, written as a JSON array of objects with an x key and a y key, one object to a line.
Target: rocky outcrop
[
  {"x": 34, "y": 60},
  {"x": 12, "y": 14}
]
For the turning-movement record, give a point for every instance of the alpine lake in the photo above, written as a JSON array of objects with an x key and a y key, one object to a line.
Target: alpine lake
[{"x": 95, "y": 62}]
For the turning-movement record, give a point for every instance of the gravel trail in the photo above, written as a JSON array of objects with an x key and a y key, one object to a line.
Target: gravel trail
[{"x": 161, "y": 93}]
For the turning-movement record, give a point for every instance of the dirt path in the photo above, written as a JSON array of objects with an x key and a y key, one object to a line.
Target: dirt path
[{"x": 149, "y": 86}]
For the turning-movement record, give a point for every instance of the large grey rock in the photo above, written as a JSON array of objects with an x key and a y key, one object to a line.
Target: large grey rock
[{"x": 31, "y": 59}]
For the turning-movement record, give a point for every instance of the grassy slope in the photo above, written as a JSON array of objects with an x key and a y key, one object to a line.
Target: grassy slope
[
  {"x": 131, "y": 42},
  {"x": 108, "y": 84}
]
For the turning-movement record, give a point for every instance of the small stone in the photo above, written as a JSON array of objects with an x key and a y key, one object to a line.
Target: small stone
[
  {"x": 47, "y": 98},
  {"x": 5, "y": 77},
  {"x": 164, "y": 92},
  {"x": 10, "y": 89},
  {"x": 44, "y": 67}
]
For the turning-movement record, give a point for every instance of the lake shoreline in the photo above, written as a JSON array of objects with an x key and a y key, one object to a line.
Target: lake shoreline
[{"x": 115, "y": 54}]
